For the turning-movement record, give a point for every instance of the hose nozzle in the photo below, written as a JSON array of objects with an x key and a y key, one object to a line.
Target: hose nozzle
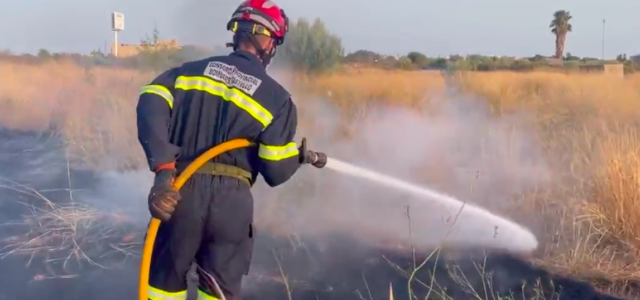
[
  {"x": 321, "y": 160},
  {"x": 316, "y": 159}
]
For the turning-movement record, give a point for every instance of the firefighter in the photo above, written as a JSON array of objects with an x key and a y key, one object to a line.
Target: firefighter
[{"x": 189, "y": 109}]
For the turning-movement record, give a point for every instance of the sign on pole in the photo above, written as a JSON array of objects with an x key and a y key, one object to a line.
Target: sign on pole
[
  {"x": 117, "y": 21},
  {"x": 117, "y": 25}
]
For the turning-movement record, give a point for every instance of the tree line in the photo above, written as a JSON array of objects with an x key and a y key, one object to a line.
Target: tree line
[{"x": 312, "y": 48}]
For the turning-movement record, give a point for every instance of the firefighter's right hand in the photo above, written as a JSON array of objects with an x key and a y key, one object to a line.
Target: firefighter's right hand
[{"x": 163, "y": 197}]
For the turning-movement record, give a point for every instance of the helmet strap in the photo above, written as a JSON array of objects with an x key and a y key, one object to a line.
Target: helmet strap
[{"x": 260, "y": 51}]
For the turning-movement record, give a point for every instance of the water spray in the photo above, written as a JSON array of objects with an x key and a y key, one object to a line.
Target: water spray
[
  {"x": 526, "y": 241},
  {"x": 522, "y": 238}
]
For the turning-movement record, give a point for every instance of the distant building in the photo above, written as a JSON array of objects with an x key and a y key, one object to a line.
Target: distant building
[
  {"x": 125, "y": 50},
  {"x": 552, "y": 61}
]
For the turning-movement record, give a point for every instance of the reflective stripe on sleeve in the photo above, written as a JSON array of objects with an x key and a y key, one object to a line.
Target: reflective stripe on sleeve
[
  {"x": 158, "y": 294},
  {"x": 237, "y": 97},
  {"x": 276, "y": 153},
  {"x": 160, "y": 91},
  {"x": 204, "y": 296}
]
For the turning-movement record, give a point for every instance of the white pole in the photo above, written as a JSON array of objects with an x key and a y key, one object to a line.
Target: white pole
[
  {"x": 603, "y": 22},
  {"x": 115, "y": 43}
]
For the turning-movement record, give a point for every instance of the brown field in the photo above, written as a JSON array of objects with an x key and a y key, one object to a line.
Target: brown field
[{"x": 588, "y": 125}]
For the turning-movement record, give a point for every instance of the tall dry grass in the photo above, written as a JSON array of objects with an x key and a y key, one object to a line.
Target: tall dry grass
[
  {"x": 91, "y": 107},
  {"x": 588, "y": 126}
]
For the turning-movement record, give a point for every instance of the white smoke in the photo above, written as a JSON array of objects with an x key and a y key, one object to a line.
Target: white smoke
[{"x": 453, "y": 144}]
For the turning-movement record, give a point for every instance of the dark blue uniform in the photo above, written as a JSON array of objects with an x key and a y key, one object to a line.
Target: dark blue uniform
[{"x": 188, "y": 110}]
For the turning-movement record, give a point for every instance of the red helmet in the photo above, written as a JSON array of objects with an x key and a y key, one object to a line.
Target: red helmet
[{"x": 260, "y": 17}]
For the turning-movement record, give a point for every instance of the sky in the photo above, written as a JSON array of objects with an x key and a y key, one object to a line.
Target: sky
[{"x": 434, "y": 27}]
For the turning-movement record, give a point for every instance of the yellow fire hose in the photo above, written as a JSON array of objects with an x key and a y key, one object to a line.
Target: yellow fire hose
[{"x": 152, "y": 231}]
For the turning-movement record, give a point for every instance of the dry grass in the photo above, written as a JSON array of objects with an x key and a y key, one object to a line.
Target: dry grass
[
  {"x": 90, "y": 106},
  {"x": 588, "y": 125},
  {"x": 64, "y": 238}
]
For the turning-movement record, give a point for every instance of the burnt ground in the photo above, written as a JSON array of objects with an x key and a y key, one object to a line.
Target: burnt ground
[{"x": 335, "y": 268}]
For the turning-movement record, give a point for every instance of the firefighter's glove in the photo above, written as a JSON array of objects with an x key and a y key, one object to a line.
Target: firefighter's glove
[
  {"x": 163, "y": 197},
  {"x": 316, "y": 159}
]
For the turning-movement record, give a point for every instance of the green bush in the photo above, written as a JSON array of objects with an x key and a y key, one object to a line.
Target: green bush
[
  {"x": 311, "y": 47},
  {"x": 418, "y": 59},
  {"x": 405, "y": 63},
  {"x": 573, "y": 65},
  {"x": 363, "y": 57}
]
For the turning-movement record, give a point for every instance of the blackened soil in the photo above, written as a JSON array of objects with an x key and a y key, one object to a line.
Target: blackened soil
[{"x": 335, "y": 268}]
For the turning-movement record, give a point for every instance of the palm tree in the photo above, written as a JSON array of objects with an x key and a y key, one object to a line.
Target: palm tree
[{"x": 560, "y": 27}]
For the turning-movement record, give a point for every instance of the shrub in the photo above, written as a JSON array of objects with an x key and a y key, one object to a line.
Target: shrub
[{"x": 311, "y": 47}]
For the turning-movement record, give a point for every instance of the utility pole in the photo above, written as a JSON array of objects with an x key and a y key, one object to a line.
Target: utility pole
[{"x": 603, "y": 31}]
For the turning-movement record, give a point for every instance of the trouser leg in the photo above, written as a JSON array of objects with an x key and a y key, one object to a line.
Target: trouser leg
[
  {"x": 176, "y": 245},
  {"x": 226, "y": 250}
]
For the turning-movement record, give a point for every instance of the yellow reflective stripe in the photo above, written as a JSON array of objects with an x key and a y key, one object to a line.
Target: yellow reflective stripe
[
  {"x": 160, "y": 91},
  {"x": 234, "y": 95},
  {"x": 276, "y": 153},
  {"x": 158, "y": 294},
  {"x": 204, "y": 296}
]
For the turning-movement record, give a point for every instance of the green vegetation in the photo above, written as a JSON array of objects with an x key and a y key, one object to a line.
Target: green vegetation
[{"x": 311, "y": 47}]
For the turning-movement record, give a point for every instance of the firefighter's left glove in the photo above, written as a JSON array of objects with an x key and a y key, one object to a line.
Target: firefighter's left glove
[{"x": 163, "y": 197}]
